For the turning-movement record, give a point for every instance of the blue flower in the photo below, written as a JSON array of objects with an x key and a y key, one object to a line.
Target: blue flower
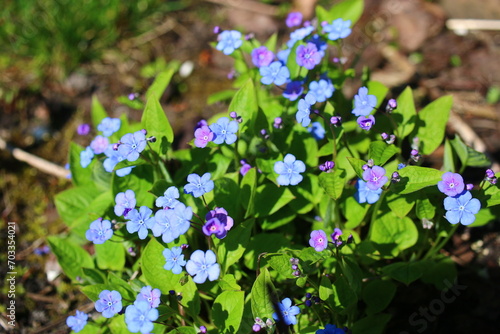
[
  {"x": 124, "y": 202},
  {"x": 289, "y": 170},
  {"x": 113, "y": 158},
  {"x": 275, "y": 72},
  {"x": 140, "y": 221},
  {"x": 287, "y": 312},
  {"x": 108, "y": 126},
  {"x": 181, "y": 217},
  {"x": 299, "y": 35},
  {"x": 461, "y": 208},
  {"x": 364, "y": 103},
  {"x": 139, "y": 317},
  {"x": 338, "y": 29},
  {"x": 170, "y": 224},
  {"x": 302, "y": 115},
  {"x": 197, "y": 185},
  {"x": 224, "y": 131},
  {"x": 77, "y": 322},
  {"x": 283, "y": 55},
  {"x": 322, "y": 89},
  {"x": 293, "y": 90},
  {"x": 202, "y": 266},
  {"x": 317, "y": 130},
  {"x": 365, "y": 194},
  {"x": 308, "y": 56},
  {"x": 229, "y": 40},
  {"x": 150, "y": 295},
  {"x": 131, "y": 145},
  {"x": 99, "y": 231},
  {"x": 174, "y": 259},
  {"x": 109, "y": 303},
  {"x": 86, "y": 157},
  {"x": 319, "y": 42},
  {"x": 330, "y": 329},
  {"x": 169, "y": 198},
  {"x": 99, "y": 144}
]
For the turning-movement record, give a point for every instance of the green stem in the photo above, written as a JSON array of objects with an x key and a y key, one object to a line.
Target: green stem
[{"x": 441, "y": 244}]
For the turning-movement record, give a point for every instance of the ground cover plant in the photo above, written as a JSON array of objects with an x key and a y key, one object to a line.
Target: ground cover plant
[{"x": 296, "y": 209}]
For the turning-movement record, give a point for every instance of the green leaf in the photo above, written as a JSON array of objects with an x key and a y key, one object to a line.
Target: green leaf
[
  {"x": 280, "y": 263},
  {"x": 183, "y": 330},
  {"x": 155, "y": 91},
  {"x": 491, "y": 194},
  {"x": 97, "y": 112},
  {"x": 414, "y": 178},
  {"x": 263, "y": 295},
  {"x": 468, "y": 156},
  {"x": 392, "y": 234},
  {"x": 347, "y": 10},
  {"x": 381, "y": 152},
  {"x": 405, "y": 272},
  {"x": 333, "y": 183},
  {"x": 139, "y": 180},
  {"x": 263, "y": 243},
  {"x": 110, "y": 255},
  {"x": 440, "y": 272},
  {"x": 401, "y": 205},
  {"x": 378, "y": 295},
  {"x": 378, "y": 89},
  {"x": 372, "y": 324},
  {"x": 431, "y": 124},
  {"x": 232, "y": 247},
  {"x": 71, "y": 257},
  {"x": 263, "y": 206},
  {"x": 220, "y": 96},
  {"x": 79, "y": 176},
  {"x": 247, "y": 191},
  {"x": 425, "y": 209},
  {"x": 156, "y": 123},
  {"x": 357, "y": 165},
  {"x": 405, "y": 114},
  {"x": 244, "y": 104},
  {"x": 100, "y": 177},
  {"x": 228, "y": 283},
  {"x": 136, "y": 104},
  {"x": 354, "y": 212},
  {"x": 93, "y": 276},
  {"x": 226, "y": 195},
  {"x": 326, "y": 291},
  {"x": 227, "y": 311},
  {"x": 448, "y": 157}
]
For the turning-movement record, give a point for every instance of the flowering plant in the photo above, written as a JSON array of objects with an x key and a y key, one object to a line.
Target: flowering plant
[{"x": 297, "y": 216}]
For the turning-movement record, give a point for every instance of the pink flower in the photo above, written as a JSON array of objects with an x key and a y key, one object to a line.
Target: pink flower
[
  {"x": 318, "y": 240},
  {"x": 452, "y": 184},
  {"x": 202, "y": 136}
]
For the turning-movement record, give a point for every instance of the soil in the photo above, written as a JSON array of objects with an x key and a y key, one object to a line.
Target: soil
[{"x": 402, "y": 42}]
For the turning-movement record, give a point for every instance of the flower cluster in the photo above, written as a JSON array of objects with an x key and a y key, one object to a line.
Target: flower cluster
[{"x": 459, "y": 205}]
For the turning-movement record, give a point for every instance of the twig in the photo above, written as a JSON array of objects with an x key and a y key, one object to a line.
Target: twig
[
  {"x": 162, "y": 29},
  {"x": 37, "y": 162},
  {"x": 251, "y": 6},
  {"x": 462, "y": 26}
]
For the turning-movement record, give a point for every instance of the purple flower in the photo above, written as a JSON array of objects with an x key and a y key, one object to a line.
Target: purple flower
[
  {"x": 452, "y": 184},
  {"x": 99, "y": 144},
  {"x": 131, "y": 145},
  {"x": 391, "y": 106},
  {"x": 140, "y": 221},
  {"x": 245, "y": 168},
  {"x": 109, "y": 303},
  {"x": 330, "y": 329},
  {"x": 461, "y": 208},
  {"x": 169, "y": 198},
  {"x": 278, "y": 123},
  {"x": 289, "y": 170},
  {"x": 202, "y": 136},
  {"x": 229, "y": 40},
  {"x": 139, "y": 317},
  {"x": 109, "y": 125},
  {"x": 365, "y": 194},
  {"x": 319, "y": 42},
  {"x": 86, "y": 157},
  {"x": 275, "y": 72},
  {"x": 83, "y": 130},
  {"x": 77, "y": 322},
  {"x": 308, "y": 56},
  {"x": 366, "y": 122},
  {"x": 124, "y": 202},
  {"x": 197, "y": 185},
  {"x": 174, "y": 259},
  {"x": 293, "y": 19},
  {"x": 293, "y": 90},
  {"x": 202, "y": 266},
  {"x": 317, "y": 130},
  {"x": 364, "y": 103},
  {"x": 338, "y": 29},
  {"x": 375, "y": 177},
  {"x": 318, "y": 240},
  {"x": 336, "y": 120},
  {"x": 150, "y": 295},
  {"x": 99, "y": 231},
  {"x": 302, "y": 115},
  {"x": 218, "y": 223},
  {"x": 225, "y": 131},
  {"x": 322, "y": 89},
  {"x": 262, "y": 56},
  {"x": 287, "y": 312}
]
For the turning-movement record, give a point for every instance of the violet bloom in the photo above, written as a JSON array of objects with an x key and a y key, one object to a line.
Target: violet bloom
[
  {"x": 99, "y": 231},
  {"x": 218, "y": 223},
  {"x": 375, "y": 177},
  {"x": 452, "y": 184},
  {"x": 462, "y": 208},
  {"x": 293, "y": 90},
  {"x": 337, "y": 232},
  {"x": 299, "y": 35},
  {"x": 139, "y": 317},
  {"x": 125, "y": 202},
  {"x": 293, "y": 19},
  {"x": 150, "y": 295},
  {"x": 364, "y": 103},
  {"x": 245, "y": 168},
  {"x": 83, "y": 130},
  {"x": 99, "y": 144},
  {"x": 202, "y": 136},
  {"x": 308, "y": 56},
  {"x": 366, "y": 122},
  {"x": 318, "y": 240},
  {"x": 202, "y": 266},
  {"x": 262, "y": 56}
]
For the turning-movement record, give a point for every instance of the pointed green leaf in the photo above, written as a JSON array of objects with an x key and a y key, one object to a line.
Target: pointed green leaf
[
  {"x": 378, "y": 89},
  {"x": 357, "y": 165},
  {"x": 401, "y": 205},
  {"x": 110, "y": 254},
  {"x": 156, "y": 123},
  {"x": 263, "y": 206},
  {"x": 405, "y": 114},
  {"x": 333, "y": 183},
  {"x": 393, "y": 234},
  {"x": 347, "y": 10},
  {"x": 70, "y": 256},
  {"x": 227, "y": 311},
  {"x": 425, "y": 209},
  {"x": 79, "y": 176},
  {"x": 97, "y": 112},
  {"x": 405, "y": 272},
  {"x": 263, "y": 295},
  {"x": 244, "y": 103},
  {"x": 161, "y": 81},
  {"x": 381, "y": 152},
  {"x": 414, "y": 178}
]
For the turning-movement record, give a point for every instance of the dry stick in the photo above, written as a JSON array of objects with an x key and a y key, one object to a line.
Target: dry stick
[{"x": 37, "y": 162}]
